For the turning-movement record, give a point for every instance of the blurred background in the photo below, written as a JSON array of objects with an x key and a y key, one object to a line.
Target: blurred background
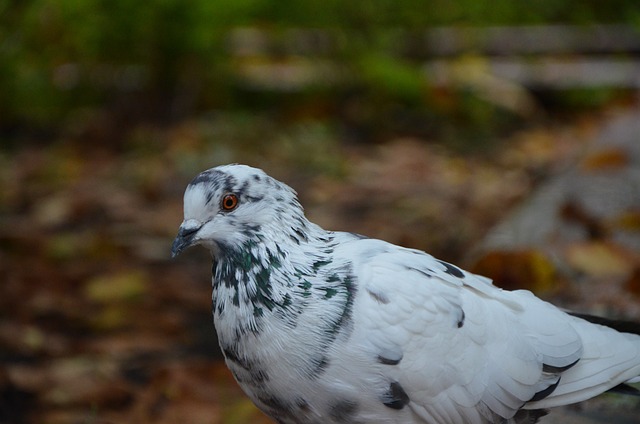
[{"x": 501, "y": 136}]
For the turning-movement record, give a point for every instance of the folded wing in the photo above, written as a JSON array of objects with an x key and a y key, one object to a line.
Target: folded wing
[{"x": 472, "y": 352}]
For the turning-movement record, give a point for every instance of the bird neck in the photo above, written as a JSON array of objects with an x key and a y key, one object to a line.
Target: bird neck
[
  {"x": 244, "y": 278},
  {"x": 274, "y": 282},
  {"x": 255, "y": 279}
]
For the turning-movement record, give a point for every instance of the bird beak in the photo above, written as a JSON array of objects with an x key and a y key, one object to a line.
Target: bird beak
[{"x": 185, "y": 238}]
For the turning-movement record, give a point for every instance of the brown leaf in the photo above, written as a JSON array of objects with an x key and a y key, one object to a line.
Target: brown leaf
[
  {"x": 524, "y": 269},
  {"x": 605, "y": 159},
  {"x": 629, "y": 221},
  {"x": 599, "y": 259},
  {"x": 633, "y": 283}
]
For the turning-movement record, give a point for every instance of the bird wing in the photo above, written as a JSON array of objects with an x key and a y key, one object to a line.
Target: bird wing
[
  {"x": 470, "y": 352},
  {"x": 609, "y": 358}
]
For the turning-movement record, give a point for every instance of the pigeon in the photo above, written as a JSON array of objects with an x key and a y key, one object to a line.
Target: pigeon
[{"x": 324, "y": 326}]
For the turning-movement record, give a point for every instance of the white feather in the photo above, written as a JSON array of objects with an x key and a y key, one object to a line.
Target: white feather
[{"x": 374, "y": 317}]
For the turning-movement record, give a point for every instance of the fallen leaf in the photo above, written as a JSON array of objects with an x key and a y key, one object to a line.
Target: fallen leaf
[
  {"x": 524, "y": 269},
  {"x": 628, "y": 220},
  {"x": 605, "y": 159},
  {"x": 110, "y": 317},
  {"x": 124, "y": 286},
  {"x": 599, "y": 259},
  {"x": 633, "y": 283}
]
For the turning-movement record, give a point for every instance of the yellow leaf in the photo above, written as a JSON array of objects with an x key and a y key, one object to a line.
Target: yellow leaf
[
  {"x": 605, "y": 159},
  {"x": 629, "y": 221},
  {"x": 110, "y": 317},
  {"x": 524, "y": 269},
  {"x": 599, "y": 259},
  {"x": 126, "y": 286}
]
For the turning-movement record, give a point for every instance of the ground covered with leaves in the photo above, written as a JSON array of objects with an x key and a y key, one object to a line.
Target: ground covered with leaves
[{"x": 98, "y": 325}]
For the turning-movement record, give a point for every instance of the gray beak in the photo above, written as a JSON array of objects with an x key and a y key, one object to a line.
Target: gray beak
[{"x": 184, "y": 239}]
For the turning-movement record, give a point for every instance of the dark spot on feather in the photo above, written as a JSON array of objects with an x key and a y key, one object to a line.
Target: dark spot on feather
[
  {"x": 243, "y": 188},
  {"x": 389, "y": 361},
  {"x": 329, "y": 292},
  {"x": 300, "y": 234},
  {"x": 343, "y": 411},
  {"x": 253, "y": 198},
  {"x": 220, "y": 308},
  {"x": 306, "y": 288},
  {"x": 451, "y": 269},
  {"x": 551, "y": 369},
  {"x": 545, "y": 392},
  {"x": 255, "y": 374},
  {"x": 350, "y": 289},
  {"x": 230, "y": 354},
  {"x": 395, "y": 397},
  {"x": 250, "y": 229},
  {"x": 461, "y": 320},
  {"x": 294, "y": 238},
  {"x": 256, "y": 177},
  {"x": 378, "y": 297},
  {"x": 319, "y": 264},
  {"x": 318, "y": 366},
  {"x": 333, "y": 278},
  {"x": 358, "y": 236},
  {"x": 206, "y": 176},
  {"x": 303, "y": 405},
  {"x": 422, "y": 271},
  {"x": 209, "y": 197},
  {"x": 274, "y": 403}
]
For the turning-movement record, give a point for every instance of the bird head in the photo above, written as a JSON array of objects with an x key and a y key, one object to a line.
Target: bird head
[{"x": 227, "y": 205}]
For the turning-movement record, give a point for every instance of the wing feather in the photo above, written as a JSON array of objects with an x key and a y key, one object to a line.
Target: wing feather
[{"x": 491, "y": 364}]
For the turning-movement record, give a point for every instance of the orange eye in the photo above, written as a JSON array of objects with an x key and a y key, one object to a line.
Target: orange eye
[{"x": 229, "y": 202}]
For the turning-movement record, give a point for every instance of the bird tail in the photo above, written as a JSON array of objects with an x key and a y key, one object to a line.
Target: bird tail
[
  {"x": 625, "y": 389},
  {"x": 610, "y": 361},
  {"x": 622, "y": 326}
]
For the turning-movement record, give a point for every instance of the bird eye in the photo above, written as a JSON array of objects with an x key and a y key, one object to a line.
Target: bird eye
[{"x": 229, "y": 202}]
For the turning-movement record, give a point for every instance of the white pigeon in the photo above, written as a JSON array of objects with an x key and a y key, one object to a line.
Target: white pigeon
[{"x": 330, "y": 327}]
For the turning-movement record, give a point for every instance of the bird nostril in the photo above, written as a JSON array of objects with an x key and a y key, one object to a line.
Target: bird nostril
[{"x": 187, "y": 231}]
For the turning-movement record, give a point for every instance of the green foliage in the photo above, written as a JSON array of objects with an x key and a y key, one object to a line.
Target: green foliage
[
  {"x": 392, "y": 76},
  {"x": 581, "y": 99},
  {"x": 60, "y": 54},
  {"x": 166, "y": 59}
]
